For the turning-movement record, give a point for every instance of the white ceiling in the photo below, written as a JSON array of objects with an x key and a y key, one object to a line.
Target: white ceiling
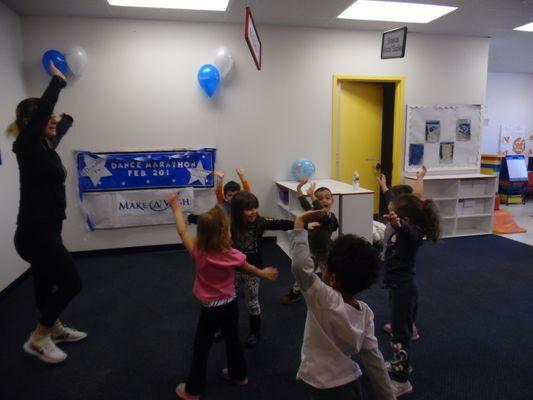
[{"x": 510, "y": 51}]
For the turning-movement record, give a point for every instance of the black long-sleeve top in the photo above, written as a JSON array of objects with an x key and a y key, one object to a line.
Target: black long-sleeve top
[
  {"x": 320, "y": 237},
  {"x": 42, "y": 174},
  {"x": 250, "y": 242},
  {"x": 401, "y": 246}
]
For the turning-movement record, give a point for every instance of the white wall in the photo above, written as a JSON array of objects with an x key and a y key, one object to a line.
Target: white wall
[
  {"x": 140, "y": 92},
  {"x": 509, "y": 102},
  {"x": 12, "y": 90}
]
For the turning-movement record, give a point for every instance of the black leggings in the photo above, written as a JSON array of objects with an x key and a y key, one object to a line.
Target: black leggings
[
  {"x": 403, "y": 301},
  {"x": 225, "y": 317},
  {"x": 56, "y": 279}
]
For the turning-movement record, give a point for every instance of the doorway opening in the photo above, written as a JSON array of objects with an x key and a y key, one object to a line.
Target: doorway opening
[{"x": 367, "y": 131}]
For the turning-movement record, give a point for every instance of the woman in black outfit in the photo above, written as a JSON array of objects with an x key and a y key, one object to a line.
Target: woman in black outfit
[{"x": 40, "y": 218}]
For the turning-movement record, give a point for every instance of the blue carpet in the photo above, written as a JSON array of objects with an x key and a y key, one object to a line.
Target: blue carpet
[{"x": 475, "y": 320}]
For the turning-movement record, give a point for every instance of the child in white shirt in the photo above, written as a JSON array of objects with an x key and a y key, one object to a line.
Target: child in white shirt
[{"x": 337, "y": 324}]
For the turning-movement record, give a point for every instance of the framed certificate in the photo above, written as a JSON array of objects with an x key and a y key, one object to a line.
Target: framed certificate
[
  {"x": 252, "y": 38},
  {"x": 393, "y": 43}
]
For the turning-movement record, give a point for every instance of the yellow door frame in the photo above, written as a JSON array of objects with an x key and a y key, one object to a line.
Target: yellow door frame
[{"x": 397, "y": 147}]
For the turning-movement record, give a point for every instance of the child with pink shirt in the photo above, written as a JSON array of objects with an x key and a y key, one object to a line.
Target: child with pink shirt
[{"x": 214, "y": 287}]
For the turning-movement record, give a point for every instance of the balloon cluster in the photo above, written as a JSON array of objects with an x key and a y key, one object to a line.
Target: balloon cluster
[
  {"x": 74, "y": 59},
  {"x": 209, "y": 75}
]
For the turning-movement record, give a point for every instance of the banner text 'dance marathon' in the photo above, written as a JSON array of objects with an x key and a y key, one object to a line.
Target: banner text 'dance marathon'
[{"x": 145, "y": 170}]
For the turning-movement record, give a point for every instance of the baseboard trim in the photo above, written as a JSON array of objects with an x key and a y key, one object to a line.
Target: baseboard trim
[
  {"x": 140, "y": 249},
  {"x": 108, "y": 252},
  {"x": 13, "y": 285}
]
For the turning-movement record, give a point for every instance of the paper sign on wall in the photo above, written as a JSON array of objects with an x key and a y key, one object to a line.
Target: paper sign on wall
[{"x": 393, "y": 43}]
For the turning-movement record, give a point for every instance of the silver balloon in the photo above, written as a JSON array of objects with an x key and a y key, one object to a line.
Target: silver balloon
[
  {"x": 223, "y": 61},
  {"x": 76, "y": 59}
]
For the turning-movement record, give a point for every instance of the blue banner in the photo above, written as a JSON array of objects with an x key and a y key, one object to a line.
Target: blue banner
[{"x": 145, "y": 170}]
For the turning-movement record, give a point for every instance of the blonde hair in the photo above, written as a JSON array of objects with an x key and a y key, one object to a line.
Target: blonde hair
[
  {"x": 13, "y": 130},
  {"x": 26, "y": 109},
  {"x": 213, "y": 231}
]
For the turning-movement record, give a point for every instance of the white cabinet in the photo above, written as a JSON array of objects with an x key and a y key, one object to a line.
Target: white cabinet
[
  {"x": 465, "y": 202},
  {"x": 353, "y": 208}
]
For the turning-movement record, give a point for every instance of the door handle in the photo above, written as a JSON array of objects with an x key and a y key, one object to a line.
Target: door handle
[{"x": 378, "y": 166}]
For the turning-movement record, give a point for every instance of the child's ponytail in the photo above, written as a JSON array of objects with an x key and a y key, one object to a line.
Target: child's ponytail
[
  {"x": 431, "y": 220},
  {"x": 423, "y": 213}
]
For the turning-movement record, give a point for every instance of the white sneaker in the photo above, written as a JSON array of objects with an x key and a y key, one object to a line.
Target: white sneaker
[
  {"x": 68, "y": 335},
  {"x": 48, "y": 352},
  {"x": 401, "y": 388}
]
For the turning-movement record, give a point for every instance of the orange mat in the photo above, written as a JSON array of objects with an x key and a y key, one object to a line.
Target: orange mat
[{"x": 504, "y": 223}]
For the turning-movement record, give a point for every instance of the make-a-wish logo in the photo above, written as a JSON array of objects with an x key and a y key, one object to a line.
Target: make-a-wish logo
[
  {"x": 159, "y": 205},
  {"x": 154, "y": 205}
]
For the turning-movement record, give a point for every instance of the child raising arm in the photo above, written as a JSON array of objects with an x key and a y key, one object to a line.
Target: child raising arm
[
  {"x": 214, "y": 287},
  {"x": 338, "y": 324}
]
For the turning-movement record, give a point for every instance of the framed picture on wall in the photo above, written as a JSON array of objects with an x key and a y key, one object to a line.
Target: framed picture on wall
[
  {"x": 252, "y": 38},
  {"x": 393, "y": 43}
]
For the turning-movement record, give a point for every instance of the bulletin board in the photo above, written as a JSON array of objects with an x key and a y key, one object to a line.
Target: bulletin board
[{"x": 444, "y": 138}]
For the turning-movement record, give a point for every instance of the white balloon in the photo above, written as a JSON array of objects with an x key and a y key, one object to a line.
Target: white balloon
[
  {"x": 76, "y": 59},
  {"x": 223, "y": 61}
]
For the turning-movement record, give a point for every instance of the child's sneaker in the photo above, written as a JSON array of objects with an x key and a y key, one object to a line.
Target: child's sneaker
[
  {"x": 47, "y": 351},
  {"x": 218, "y": 336},
  {"x": 387, "y": 328},
  {"x": 68, "y": 335},
  {"x": 252, "y": 340},
  {"x": 291, "y": 297},
  {"x": 225, "y": 375},
  {"x": 182, "y": 393},
  {"x": 401, "y": 388}
]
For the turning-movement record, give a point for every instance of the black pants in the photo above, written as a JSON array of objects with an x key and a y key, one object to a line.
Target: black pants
[
  {"x": 56, "y": 280},
  {"x": 350, "y": 391},
  {"x": 403, "y": 299},
  {"x": 225, "y": 317}
]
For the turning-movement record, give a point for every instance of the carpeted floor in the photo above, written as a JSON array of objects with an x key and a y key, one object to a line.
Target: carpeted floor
[{"x": 475, "y": 321}]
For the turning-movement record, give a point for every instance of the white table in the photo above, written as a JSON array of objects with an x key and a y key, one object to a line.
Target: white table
[{"x": 354, "y": 208}]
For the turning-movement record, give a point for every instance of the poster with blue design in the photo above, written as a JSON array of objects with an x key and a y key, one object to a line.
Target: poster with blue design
[
  {"x": 145, "y": 170},
  {"x": 123, "y": 189}
]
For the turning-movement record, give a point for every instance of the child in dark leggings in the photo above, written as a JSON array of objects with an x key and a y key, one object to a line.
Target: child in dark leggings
[
  {"x": 247, "y": 229},
  {"x": 388, "y": 196},
  {"x": 214, "y": 286},
  {"x": 410, "y": 221}
]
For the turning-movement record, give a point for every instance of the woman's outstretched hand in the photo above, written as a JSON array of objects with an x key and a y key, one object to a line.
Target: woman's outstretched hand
[{"x": 56, "y": 72}]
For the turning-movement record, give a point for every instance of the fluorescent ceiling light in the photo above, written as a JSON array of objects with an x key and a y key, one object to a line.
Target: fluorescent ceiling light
[
  {"x": 394, "y": 11},
  {"x": 204, "y": 5},
  {"x": 525, "y": 28}
]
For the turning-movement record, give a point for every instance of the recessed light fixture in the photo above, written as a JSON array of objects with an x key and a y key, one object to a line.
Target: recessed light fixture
[
  {"x": 394, "y": 11},
  {"x": 203, "y": 5},
  {"x": 525, "y": 28}
]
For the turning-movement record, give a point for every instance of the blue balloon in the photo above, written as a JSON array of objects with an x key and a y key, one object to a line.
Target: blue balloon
[
  {"x": 303, "y": 169},
  {"x": 209, "y": 79},
  {"x": 59, "y": 61}
]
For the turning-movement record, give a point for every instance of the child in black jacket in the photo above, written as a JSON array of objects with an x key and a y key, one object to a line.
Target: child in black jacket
[{"x": 320, "y": 235}]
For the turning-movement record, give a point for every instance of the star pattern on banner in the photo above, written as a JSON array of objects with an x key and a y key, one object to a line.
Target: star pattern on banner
[
  {"x": 198, "y": 173},
  {"x": 95, "y": 169}
]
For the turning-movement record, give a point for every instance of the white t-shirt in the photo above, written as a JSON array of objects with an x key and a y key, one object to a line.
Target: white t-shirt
[{"x": 333, "y": 331}]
